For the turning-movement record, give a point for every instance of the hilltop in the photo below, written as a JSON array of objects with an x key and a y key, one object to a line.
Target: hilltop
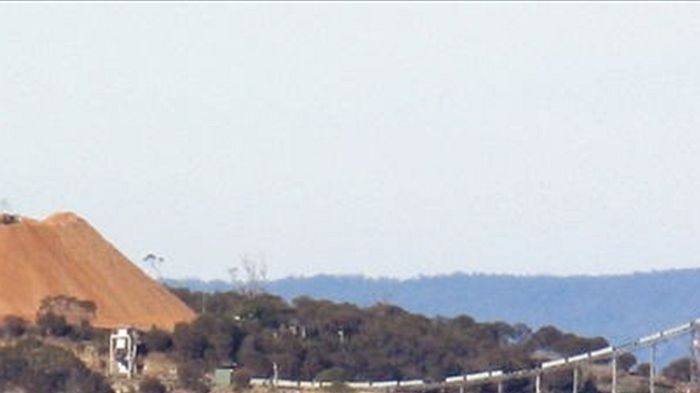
[{"x": 64, "y": 256}]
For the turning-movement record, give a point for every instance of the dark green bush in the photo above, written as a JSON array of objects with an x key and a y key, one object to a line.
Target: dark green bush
[
  {"x": 334, "y": 374},
  {"x": 14, "y": 326},
  {"x": 157, "y": 340},
  {"x": 241, "y": 378},
  {"x": 82, "y": 332},
  {"x": 190, "y": 375},
  {"x": 151, "y": 385},
  {"x": 51, "y": 324},
  {"x": 679, "y": 370}
]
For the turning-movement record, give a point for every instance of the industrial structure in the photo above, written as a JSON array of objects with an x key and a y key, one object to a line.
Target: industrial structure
[{"x": 123, "y": 349}]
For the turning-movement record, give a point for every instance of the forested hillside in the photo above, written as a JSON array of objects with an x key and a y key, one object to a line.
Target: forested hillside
[{"x": 320, "y": 340}]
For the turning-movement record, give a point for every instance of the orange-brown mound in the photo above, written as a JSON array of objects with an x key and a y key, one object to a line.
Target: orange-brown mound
[{"x": 64, "y": 255}]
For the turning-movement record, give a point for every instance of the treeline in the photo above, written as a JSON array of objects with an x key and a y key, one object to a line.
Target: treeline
[{"x": 309, "y": 339}]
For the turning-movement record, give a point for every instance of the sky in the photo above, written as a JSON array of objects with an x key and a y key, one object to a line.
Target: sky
[{"x": 384, "y": 139}]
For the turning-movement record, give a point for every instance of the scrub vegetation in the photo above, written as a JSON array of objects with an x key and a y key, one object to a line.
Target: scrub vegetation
[{"x": 309, "y": 339}]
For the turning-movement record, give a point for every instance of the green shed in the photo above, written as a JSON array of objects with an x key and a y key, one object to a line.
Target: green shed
[{"x": 222, "y": 376}]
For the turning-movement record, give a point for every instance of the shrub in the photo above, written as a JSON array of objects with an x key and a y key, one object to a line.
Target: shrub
[
  {"x": 191, "y": 376},
  {"x": 191, "y": 343},
  {"x": 626, "y": 361},
  {"x": 678, "y": 370},
  {"x": 334, "y": 374},
  {"x": 82, "y": 332},
  {"x": 643, "y": 369},
  {"x": 151, "y": 385},
  {"x": 14, "y": 326},
  {"x": 53, "y": 325},
  {"x": 338, "y": 387},
  {"x": 12, "y": 366},
  {"x": 157, "y": 340},
  {"x": 241, "y": 378},
  {"x": 35, "y": 367}
]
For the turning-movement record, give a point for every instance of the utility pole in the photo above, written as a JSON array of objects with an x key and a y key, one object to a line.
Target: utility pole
[{"x": 574, "y": 388}]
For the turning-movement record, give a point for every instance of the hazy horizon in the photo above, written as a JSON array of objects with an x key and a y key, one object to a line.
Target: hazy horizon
[
  {"x": 437, "y": 275},
  {"x": 384, "y": 139}
]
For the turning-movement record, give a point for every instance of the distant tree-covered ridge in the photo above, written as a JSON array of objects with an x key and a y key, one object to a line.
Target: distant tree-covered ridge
[
  {"x": 617, "y": 307},
  {"x": 308, "y": 339}
]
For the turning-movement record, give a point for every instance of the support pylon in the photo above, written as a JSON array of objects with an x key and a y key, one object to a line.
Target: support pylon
[
  {"x": 652, "y": 369},
  {"x": 538, "y": 383},
  {"x": 574, "y": 387},
  {"x": 614, "y": 373},
  {"x": 695, "y": 357}
]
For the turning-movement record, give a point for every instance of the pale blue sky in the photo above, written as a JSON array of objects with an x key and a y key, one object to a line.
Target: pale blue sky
[{"x": 383, "y": 139}]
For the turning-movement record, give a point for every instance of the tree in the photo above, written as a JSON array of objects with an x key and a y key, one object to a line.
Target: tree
[
  {"x": 643, "y": 369},
  {"x": 269, "y": 310},
  {"x": 12, "y": 366},
  {"x": 678, "y": 370},
  {"x": 13, "y": 326},
  {"x": 82, "y": 332},
  {"x": 157, "y": 340},
  {"x": 626, "y": 361},
  {"x": 151, "y": 385},
  {"x": 190, "y": 374},
  {"x": 154, "y": 262},
  {"x": 589, "y": 385},
  {"x": 51, "y": 324},
  {"x": 208, "y": 338},
  {"x": 333, "y": 374},
  {"x": 254, "y": 275},
  {"x": 252, "y": 355},
  {"x": 190, "y": 343},
  {"x": 241, "y": 378}
]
